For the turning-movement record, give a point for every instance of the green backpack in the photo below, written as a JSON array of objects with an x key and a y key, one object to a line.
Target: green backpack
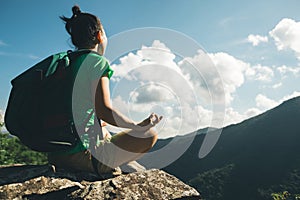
[{"x": 39, "y": 110}]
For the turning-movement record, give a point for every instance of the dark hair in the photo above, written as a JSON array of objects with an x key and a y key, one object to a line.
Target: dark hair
[{"x": 83, "y": 28}]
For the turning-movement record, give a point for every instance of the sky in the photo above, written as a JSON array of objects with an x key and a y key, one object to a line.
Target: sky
[{"x": 247, "y": 61}]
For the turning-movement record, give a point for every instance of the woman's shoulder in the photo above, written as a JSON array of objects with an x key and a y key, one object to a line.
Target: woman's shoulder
[
  {"x": 96, "y": 56},
  {"x": 89, "y": 56}
]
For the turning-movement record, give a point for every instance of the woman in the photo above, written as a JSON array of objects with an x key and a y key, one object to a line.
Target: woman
[{"x": 87, "y": 33}]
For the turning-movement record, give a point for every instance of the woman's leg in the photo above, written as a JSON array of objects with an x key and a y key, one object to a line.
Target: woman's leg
[
  {"x": 135, "y": 142},
  {"x": 125, "y": 147}
]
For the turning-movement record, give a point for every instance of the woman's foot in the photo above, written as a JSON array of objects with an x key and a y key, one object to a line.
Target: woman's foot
[{"x": 132, "y": 166}]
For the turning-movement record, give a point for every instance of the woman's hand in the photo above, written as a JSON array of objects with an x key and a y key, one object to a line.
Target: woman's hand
[{"x": 148, "y": 123}]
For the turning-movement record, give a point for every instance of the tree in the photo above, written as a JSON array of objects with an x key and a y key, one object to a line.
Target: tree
[
  {"x": 1, "y": 122},
  {"x": 211, "y": 184},
  {"x": 14, "y": 152}
]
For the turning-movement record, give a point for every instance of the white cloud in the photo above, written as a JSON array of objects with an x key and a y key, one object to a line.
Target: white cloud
[
  {"x": 205, "y": 116},
  {"x": 232, "y": 116},
  {"x": 203, "y": 76},
  {"x": 161, "y": 82},
  {"x": 278, "y": 85},
  {"x": 287, "y": 35},
  {"x": 264, "y": 102},
  {"x": 287, "y": 97},
  {"x": 231, "y": 72},
  {"x": 283, "y": 70},
  {"x": 156, "y": 64},
  {"x": 157, "y": 54},
  {"x": 127, "y": 64},
  {"x": 251, "y": 112},
  {"x": 256, "y": 39},
  {"x": 260, "y": 73},
  {"x": 186, "y": 91},
  {"x": 213, "y": 77},
  {"x": 221, "y": 73},
  {"x": 151, "y": 93},
  {"x": 178, "y": 119}
]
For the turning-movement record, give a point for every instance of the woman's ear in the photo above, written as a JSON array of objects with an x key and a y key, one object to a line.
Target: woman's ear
[
  {"x": 99, "y": 37},
  {"x": 102, "y": 42}
]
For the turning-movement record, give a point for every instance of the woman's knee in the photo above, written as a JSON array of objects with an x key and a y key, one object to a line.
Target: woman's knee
[
  {"x": 136, "y": 141},
  {"x": 154, "y": 135},
  {"x": 151, "y": 137}
]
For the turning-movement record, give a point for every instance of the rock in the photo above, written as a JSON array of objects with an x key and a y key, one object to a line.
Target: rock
[{"x": 44, "y": 182}]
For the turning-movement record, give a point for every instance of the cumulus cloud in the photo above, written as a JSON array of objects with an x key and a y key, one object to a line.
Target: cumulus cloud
[
  {"x": 175, "y": 88},
  {"x": 186, "y": 91},
  {"x": 232, "y": 116},
  {"x": 260, "y": 73},
  {"x": 287, "y": 35},
  {"x": 205, "y": 116},
  {"x": 214, "y": 77},
  {"x": 151, "y": 93},
  {"x": 256, "y": 39},
  {"x": 265, "y": 103},
  {"x": 231, "y": 71},
  {"x": 179, "y": 117},
  {"x": 119, "y": 103},
  {"x": 157, "y": 53},
  {"x": 251, "y": 112},
  {"x": 218, "y": 75},
  {"x": 283, "y": 70},
  {"x": 287, "y": 97}
]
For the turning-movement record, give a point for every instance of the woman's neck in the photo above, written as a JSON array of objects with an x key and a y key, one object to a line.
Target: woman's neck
[{"x": 92, "y": 49}]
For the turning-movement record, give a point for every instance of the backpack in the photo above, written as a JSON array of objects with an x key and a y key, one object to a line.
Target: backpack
[{"x": 39, "y": 110}]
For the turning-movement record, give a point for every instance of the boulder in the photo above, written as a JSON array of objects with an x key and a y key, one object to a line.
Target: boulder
[{"x": 44, "y": 182}]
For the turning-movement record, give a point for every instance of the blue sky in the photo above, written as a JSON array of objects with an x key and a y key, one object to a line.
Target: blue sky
[{"x": 254, "y": 42}]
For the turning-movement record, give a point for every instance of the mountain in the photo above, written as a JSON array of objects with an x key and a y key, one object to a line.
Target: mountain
[{"x": 251, "y": 160}]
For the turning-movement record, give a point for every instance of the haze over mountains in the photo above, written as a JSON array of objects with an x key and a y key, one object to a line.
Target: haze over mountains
[{"x": 251, "y": 159}]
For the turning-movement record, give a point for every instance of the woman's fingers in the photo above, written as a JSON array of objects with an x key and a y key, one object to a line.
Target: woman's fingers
[
  {"x": 155, "y": 119},
  {"x": 149, "y": 122}
]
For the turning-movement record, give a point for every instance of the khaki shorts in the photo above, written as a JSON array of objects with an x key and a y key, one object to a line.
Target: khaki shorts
[{"x": 82, "y": 161}]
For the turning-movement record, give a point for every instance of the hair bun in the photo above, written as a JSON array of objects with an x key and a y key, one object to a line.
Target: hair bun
[{"x": 76, "y": 10}]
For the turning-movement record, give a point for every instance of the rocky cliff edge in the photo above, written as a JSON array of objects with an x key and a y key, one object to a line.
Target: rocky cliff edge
[{"x": 44, "y": 182}]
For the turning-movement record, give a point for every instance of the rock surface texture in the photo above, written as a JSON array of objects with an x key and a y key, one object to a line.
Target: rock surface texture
[{"x": 44, "y": 182}]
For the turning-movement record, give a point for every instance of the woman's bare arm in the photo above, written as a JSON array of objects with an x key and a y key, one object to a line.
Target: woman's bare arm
[
  {"x": 103, "y": 106},
  {"x": 107, "y": 113}
]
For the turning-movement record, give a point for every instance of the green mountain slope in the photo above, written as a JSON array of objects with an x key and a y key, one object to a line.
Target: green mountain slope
[{"x": 251, "y": 160}]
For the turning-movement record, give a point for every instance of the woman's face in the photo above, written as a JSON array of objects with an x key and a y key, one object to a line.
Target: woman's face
[{"x": 102, "y": 46}]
